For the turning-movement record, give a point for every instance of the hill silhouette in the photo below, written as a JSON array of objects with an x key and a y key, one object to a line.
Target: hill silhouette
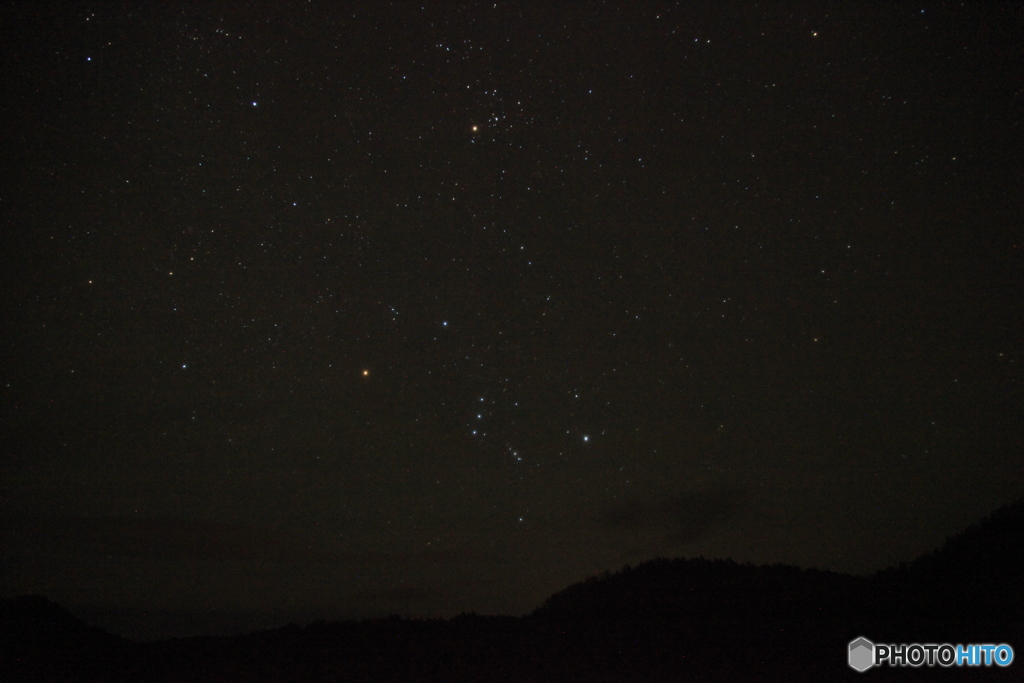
[
  {"x": 40, "y": 640},
  {"x": 666, "y": 619}
]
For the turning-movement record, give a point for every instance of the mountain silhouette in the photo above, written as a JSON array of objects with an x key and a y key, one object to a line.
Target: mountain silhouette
[
  {"x": 663, "y": 620},
  {"x": 40, "y": 640}
]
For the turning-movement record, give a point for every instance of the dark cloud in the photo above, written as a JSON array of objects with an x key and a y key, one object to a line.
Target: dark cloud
[
  {"x": 681, "y": 519},
  {"x": 401, "y": 594},
  {"x": 151, "y": 623},
  {"x": 153, "y": 538},
  {"x": 148, "y": 623},
  {"x": 181, "y": 539}
]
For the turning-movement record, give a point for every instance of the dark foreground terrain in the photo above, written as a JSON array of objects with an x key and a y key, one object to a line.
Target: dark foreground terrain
[{"x": 665, "y": 620}]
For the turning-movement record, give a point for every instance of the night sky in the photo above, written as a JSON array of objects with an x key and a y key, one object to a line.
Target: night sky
[{"x": 314, "y": 310}]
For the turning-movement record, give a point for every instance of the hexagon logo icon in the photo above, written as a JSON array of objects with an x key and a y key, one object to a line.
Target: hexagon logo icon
[{"x": 862, "y": 654}]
